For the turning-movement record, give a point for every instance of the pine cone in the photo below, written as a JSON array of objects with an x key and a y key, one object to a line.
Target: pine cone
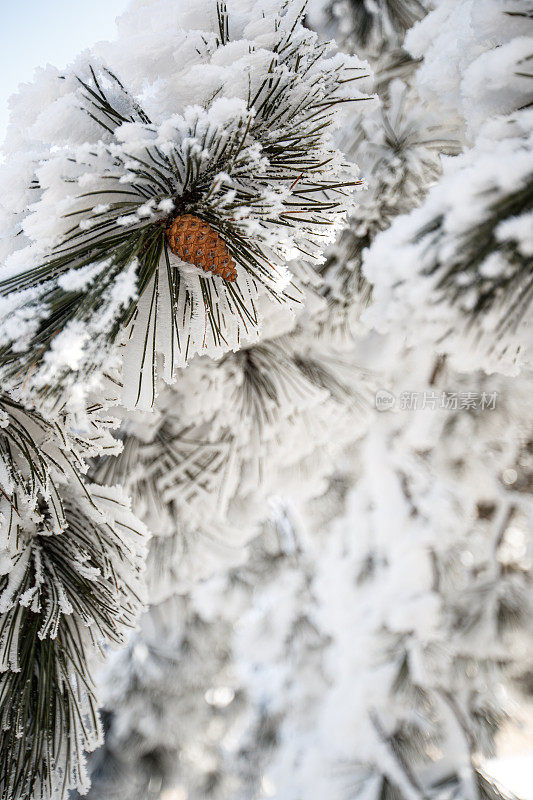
[{"x": 194, "y": 241}]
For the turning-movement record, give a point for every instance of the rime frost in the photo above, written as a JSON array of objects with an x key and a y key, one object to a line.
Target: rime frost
[
  {"x": 232, "y": 121},
  {"x": 314, "y": 481}
]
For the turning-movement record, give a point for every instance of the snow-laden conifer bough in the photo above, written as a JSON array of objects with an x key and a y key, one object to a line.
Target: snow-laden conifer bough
[
  {"x": 462, "y": 270},
  {"x": 220, "y": 117},
  {"x": 72, "y": 557},
  {"x": 168, "y": 195}
]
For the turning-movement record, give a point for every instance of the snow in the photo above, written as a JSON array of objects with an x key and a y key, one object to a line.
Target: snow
[
  {"x": 77, "y": 160},
  {"x": 406, "y": 272},
  {"x": 309, "y": 595},
  {"x": 513, "y": 773}
]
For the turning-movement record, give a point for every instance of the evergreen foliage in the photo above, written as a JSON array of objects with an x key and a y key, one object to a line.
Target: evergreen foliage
[
  {"x": 369, "y": 28},
  {"x": 259, "y": 167},
  {"x": 70, "y": 585},
  {"x": 331, "y": 601},
  {"x": 467, "y": 250}
]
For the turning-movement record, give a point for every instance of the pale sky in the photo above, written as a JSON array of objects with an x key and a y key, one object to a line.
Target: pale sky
[{"x": 34, "y": 33}]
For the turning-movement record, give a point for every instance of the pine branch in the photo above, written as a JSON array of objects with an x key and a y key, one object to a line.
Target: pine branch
[
  {"x": 265, "y": 179},
  {"x": 375, "y": 27},
  {"x": 70, "y": 586},
  {"x": 65, "y": 599},
  {"x": 510, "y": 290}
]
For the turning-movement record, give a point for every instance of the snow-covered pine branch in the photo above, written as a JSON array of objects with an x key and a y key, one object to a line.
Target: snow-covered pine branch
[
  {"x": 398, "y": 146},
  {"x": 461, "y": 266},
  {"x": 71, "y": 585},
  {"x": 226, "y": 436},
  {"x": 168, "y": 703},
  {"x": 367, "y": 28},
  {"x": 459, "y": 269},
  {"x": 234, "y": 130}
]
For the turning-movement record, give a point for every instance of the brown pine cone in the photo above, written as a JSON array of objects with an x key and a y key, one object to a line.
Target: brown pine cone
[{"x": 194, "y": 241}]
